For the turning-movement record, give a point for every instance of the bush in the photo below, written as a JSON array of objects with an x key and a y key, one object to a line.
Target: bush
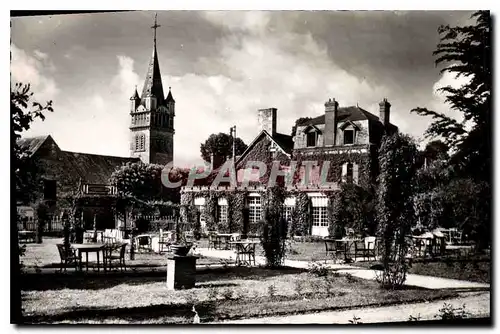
[
  {"x": 448, "y": 312},
  {"x": 317, "y": 269},
  {"x": 273, "y": 239}
]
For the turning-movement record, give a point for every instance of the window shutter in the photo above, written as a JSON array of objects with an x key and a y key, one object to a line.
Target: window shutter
[
  {"x": 355, "y": 168},
  {"x": 344, "y": 171}
]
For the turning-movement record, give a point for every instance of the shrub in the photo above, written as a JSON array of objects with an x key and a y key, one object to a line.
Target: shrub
[
  {"x": 355, "y": 320},
  {"x": 271, "y": 290},
  {"x": 448, "y": 312},
  {"x": 228, "y": 294},
  {"x": 350, "y": 279},
  {"x": 212, "y": 293},
  {"x": 317, "y": 269},
  {"x": 273, "y": 239}
]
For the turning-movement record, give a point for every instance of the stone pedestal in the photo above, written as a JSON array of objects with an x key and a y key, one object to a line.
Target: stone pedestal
[{"x": 181, "y": 272}]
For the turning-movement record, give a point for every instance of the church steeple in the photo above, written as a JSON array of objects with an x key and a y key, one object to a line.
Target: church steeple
[{"x": 152, "y": 84}]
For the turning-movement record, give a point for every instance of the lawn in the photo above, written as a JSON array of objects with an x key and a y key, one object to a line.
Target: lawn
[
  {"x": 220, "y": 293},
  {"x": 471, "y": 268}
]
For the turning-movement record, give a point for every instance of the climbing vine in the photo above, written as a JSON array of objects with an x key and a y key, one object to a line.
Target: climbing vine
[{"x": 236, "y": 202}]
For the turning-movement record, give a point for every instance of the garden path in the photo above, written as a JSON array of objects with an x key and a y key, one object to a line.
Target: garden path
[
  {"x": 427, "y": 282},
  {"x": 476, "y": 303}
]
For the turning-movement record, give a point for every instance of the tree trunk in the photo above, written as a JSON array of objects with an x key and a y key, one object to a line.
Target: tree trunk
[{"x": 16, "y": 314}]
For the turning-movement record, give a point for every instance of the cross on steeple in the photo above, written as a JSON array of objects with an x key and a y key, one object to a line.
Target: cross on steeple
[{"x": 155, "y": 26}]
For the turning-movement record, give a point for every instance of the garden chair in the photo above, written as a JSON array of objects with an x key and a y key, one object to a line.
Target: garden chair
[
  {"x": 214, "y": 241},
  {"x": 329, "y": 247},
  {"x": 360, "y": 249},
  {"x": 110, "y": 257},
  {"x": 340, "y": 249},
  {"x": 370, "y": 247},
  {"x": 164, "y": 242},
  {"x": 235, "y": 237},
  {"x": 68, "y": 257},
  {"x": 245, "y": 254}
]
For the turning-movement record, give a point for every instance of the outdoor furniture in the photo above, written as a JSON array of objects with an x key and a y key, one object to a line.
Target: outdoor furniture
[
  {"x": 235, "y": 237},
  {"x": 91, "y": 248},
  {"x": 222, "y": 240},
  {"x": 330, "y": 247},
  {"x": 164, "y": 241},
  {"x": 144, "y": 242},
  {"x": 344, "y": 245},
  {"x": 245, "y": 252},
  {"x": 212, "y": 240},
  {"x": 189, "y": 236},
  {"x": 110, "y": 257},
  {"x": 26, "y": 236},
  {"x": 370, "y": 248},
  {"x": 68, "y": 257}
]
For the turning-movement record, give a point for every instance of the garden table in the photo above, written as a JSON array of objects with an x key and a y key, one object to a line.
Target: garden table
[
  {"x": 244, "y": 247},
  {"x": 348, "y": 244},
  {"x": 91, "y": 248}
]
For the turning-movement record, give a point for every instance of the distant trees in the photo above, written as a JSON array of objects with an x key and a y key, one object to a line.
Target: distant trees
[
  {"x": 221, "y": 146},
  {"x": 466, "y": 52},
  {"x": 456, "y": 190}
]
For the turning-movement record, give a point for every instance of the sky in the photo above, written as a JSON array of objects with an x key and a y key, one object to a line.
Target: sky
[{"x": 223, "y": 66}]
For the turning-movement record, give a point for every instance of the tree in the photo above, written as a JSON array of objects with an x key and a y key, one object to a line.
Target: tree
[
  {"x": 436, "y": 150},
  {"x": 26, "y": 169},
  {"x": 143, "y": 182},
  {"x": 353, "y": 207},
  {"x": 300, "y": 121},
  {"x": 466, "y": 52},
  {"x": 24, "y": 174},
  {"x": 395, "y": 210},
  {"x": 221, "y": 146}
]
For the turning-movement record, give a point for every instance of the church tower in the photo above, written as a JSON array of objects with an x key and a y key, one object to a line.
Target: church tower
[{"x": 152, "y": 117}]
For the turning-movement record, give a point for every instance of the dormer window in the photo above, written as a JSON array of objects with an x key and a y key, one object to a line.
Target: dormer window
[
  {"x": 311, "y": 139},
  {"x": 348, "y": 136}
]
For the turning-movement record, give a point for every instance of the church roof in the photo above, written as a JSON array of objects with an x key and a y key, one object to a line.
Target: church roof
[
  {"x": 153, "y": 84},
  {"x": 136, "y": 95},
  {"x": 169, "y": 96}
]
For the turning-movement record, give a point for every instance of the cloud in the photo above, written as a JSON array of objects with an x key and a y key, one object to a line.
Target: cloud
[
  {"x": 127, "y": 78},
  {"x": 34, "y": 69},
  {"x": 289, "y": 71}
]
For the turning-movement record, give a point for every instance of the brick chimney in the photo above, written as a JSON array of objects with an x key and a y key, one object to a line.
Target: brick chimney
[
  {"x": 330, "y": 131},
  {"x": 267, "y": 120},
  {"x": 385, "y": 111}
]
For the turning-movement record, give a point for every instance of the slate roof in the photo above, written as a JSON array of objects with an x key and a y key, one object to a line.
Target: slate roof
[
  {"x": 32, "y": 143},
  {"x": 153, "y": 84},
  {"x": 284, "y": 141},
  {"x": 353, "y": 113},
  {"x": 90, "y": 168},
  {"x": 94, "y": 168}
]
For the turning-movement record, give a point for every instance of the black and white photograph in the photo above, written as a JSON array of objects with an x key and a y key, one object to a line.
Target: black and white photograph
[{"x": 234, "y": 167}]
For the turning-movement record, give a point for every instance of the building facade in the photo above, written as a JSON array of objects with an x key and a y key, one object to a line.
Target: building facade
[{"x": 347, "y": 138}]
